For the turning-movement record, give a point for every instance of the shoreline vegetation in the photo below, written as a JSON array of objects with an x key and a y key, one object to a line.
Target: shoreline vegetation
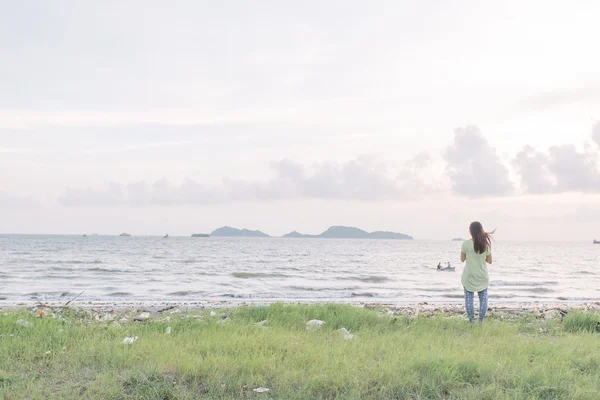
[{"x": 298, "y": 351}]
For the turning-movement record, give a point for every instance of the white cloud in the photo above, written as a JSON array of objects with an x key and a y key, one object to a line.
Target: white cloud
[
  {"x": 562, "y": 169},
  {"x": 532, "y": 166},
  {"x": 359, "y": 179},
  {"x": 10, "y": 201},
  {"x": 474, "y": 167},
  {"x": 596, "y": 133}
]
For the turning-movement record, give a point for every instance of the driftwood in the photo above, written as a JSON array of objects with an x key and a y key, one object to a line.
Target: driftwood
[
  {"x": 166, "y": 309},
  {"x": 68, "y": 302}
]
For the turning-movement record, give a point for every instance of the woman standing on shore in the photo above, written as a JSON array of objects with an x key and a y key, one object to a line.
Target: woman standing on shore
[{"x": 476, "y": 252}]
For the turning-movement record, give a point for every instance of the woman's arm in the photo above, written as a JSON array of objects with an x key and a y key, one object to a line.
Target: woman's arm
[
  {"x": 488, "y": 259},
  {"x": 463, "y": 257}
]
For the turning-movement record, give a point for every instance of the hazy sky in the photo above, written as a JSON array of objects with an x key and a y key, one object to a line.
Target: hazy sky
[{"x": 418, "y": 117}]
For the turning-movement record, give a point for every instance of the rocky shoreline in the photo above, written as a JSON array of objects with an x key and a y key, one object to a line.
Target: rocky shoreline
[{"x": 409, "y": 308}]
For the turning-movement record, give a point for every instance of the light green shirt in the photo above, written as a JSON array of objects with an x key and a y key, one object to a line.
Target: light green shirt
[{"x": 475, "y": 276}]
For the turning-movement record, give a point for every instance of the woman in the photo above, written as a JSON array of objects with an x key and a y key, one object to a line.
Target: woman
[{"x": 476, "y": 252}]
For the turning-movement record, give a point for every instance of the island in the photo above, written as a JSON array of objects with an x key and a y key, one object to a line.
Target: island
[
  {"x": 458, "y": 240},
  {"x": 228, "y": 231},
  {"x": 202, "y": 235},
  {"x": 125, "y": 234},
  {"x": 346, "y": 232}
]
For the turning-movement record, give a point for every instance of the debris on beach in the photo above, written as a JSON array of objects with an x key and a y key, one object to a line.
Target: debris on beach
[
  {"x": 168, "y": 330},
  {"x": 143, "y": 316},
  {"x": 556, "y": 315},
  {"x": 314, "y": 324},
  {"x": 23, "y": 323},
  {"x": 347, "y": 335},
  {"x": 129, "y": 340},
  {"x": 261, "y": 390},
  {"x": 261, "y": 323},
  {"x": 168, "y": 319},
  {"x": 213, "y": 314},
  {"x": 108, "y": 317}
]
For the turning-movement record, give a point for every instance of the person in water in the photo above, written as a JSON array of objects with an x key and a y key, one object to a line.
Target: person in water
[{"x": 476, "y": 251}]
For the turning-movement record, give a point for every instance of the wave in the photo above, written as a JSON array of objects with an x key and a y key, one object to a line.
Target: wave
[
  {"x": 585, "y": 272},
  {"x": 540, "y": 290},
  {"x": 536, "y": 283},
  {"x": 367, "y": 279},
  {"x": 364, "y": 294},
  {"x": 184, "y": 293},
  {"x": 578, "y": 298},
  {"x": 119, "y": 294},
  {"x": 249, "y": 275}
]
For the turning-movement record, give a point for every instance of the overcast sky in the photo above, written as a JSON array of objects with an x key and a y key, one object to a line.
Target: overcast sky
[{"x": 417, "y": 117}]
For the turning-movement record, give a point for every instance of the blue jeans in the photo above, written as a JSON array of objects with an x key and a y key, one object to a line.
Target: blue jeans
[{"x": 483, "y": 304}]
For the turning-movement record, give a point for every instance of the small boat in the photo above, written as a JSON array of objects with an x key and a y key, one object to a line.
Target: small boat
[
  {"x": 166, "y": 236},
  {"x": 596, "y": 241},
  {"x": 449, "y": 268},
  {"x": 84, "y": 235}
]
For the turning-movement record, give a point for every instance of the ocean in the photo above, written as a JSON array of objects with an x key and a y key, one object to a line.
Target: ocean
[{"x": 185, "y": 269}]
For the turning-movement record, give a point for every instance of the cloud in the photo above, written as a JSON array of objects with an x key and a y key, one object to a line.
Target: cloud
[
  {"x": 561, "y": 97},
  {"x": 574, "y": 170},
  {"x": 596, "y": 133},
  {"x": 533, "y": 168},
  {"x": 474, "y": 167},
  {"x": 9, "y": 201},
  {"x": 361, "y": 179},
  {"x": 562, "y": 169}
]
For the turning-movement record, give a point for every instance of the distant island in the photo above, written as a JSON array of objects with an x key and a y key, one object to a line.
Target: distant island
[
  {"x": 228, "y": 231},
  {"x": 458, "y": 240},
  {"x": 125, "y": 234},
  {"x": 202, "y": 235},
  {"x": 334, "y": 232},
  {"x": 346, "y": 232}
]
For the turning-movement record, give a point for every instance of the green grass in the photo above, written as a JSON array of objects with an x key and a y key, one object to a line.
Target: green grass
[{"x": 389, "y": 357}]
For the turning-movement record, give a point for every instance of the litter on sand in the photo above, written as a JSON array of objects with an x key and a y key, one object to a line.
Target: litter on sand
[
  {"x": 261, "y": 390},
  {"x": 129, "y": 340}
]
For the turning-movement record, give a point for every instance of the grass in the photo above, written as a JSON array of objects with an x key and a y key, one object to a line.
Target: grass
[{"x": 389, "y": 357}]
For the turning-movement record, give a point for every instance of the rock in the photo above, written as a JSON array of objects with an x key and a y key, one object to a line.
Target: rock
[
  {"x": 168, "y": 330},
  {"x": 129, "y": 340},
  {"x": 347, "y": 335},
  {"x": 213, "y": 314},
  {"x": 168, "y": 319},
  {"x": 24, "y": 324},
  {"x": 143, "y": 316},
  {"x": 108, "y": 317},
  {"x": 261, "y": 390},
  {"x": 314, "y": 324}
]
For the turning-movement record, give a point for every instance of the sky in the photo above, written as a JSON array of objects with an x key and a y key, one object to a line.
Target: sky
[{"x": 151, "y": 117}]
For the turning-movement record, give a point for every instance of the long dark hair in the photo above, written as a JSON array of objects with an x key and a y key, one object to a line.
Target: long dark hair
[{"x": 482, "y": 240}]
